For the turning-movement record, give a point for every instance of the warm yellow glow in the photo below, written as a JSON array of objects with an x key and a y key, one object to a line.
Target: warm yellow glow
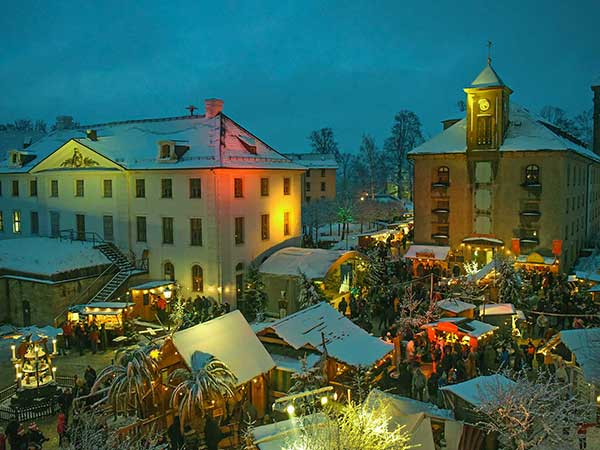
[
  {"x": 154, "y": 354},
  {"x": 323, "y": 401},
  {"x": 290, "y": 409},
  {"x": 335, "y": 396}
]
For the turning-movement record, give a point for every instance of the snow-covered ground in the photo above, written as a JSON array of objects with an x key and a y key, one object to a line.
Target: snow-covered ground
[{"x": 47, "y": 256}]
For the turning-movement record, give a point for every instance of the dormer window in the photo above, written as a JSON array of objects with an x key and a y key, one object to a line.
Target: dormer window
[
  {"x": 14, "y": 159},
  {"x": 166, "y": 150},
  {"x": 248, "y": 142}
]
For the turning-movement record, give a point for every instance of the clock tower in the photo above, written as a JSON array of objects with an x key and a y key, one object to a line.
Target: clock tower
[{"x": 487, "y": 110}]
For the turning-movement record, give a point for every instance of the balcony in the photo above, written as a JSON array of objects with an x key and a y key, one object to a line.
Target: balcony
[
  {"x": 530, "y": 240},
  {"x": 532, "y": 185},
  {"x": 440, "y": 184},
  {"x": 440, "y": 236},
  {"x": 442, "y": 210}
]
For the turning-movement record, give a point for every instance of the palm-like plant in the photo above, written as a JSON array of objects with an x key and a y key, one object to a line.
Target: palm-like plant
[
  {"x": 130, "y": 381},
  {"x": 210, "y": 379}
]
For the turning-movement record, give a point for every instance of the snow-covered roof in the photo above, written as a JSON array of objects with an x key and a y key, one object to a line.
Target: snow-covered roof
[
  {"x": 313, "y": 262},
  {"x": 473, "y": 391},
  {"x": 497, "y": 309},
  {"x": 212, "y": 143},
  {"x": 152, "y": 284},
  {"x": 438, "y": 252},
  {"x": 526, "y": 132},
  {"x": 470, "y": 327},
  {"x": 454, "y": 305},
  {"x": 404, "y": 406},
  {"x": 483, "y": 272},
  {"x": 585, "y": 344},
  {"x": 589, "y": 276},
  {"x": 314, "y": 160},
  {"x": 47, "y": 256},
  {"x": 487, "y": 78},
  {"x": 344, "y": 341},
  {"x": 291, "y": 364},
  {"x": 230, "y": 339}
]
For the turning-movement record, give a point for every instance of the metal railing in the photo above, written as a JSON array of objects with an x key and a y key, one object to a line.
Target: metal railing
[{"x": 74, "y": 235}]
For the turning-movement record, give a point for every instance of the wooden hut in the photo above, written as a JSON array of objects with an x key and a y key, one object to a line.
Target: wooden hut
[{"x": 460, "y": 330}]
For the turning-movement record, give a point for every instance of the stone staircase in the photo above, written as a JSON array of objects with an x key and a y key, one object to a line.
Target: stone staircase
[{"x": 124, "y": 267}]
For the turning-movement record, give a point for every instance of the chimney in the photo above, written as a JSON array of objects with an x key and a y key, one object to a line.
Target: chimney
[
  {"x": 596, "y": 119},
  {"x": 213, "y": 106},
  {"x": 449, "y": 122},
  {"x": 92, "y": 135}
]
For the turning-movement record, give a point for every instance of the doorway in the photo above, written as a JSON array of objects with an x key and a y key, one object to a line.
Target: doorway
[{"x": 80, "y": 224}]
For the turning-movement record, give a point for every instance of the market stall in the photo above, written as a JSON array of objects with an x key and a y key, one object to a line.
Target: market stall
[
  {"x": 450, "y": 330},
  {"x": 113, "y": 315},
  {"x": 452, "y": 307},
  {"x": 150, "y": 299},
  {"x": 428, "y": 258}
]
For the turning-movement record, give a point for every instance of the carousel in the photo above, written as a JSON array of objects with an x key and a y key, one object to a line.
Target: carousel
[{"x": 34, "y": 371}]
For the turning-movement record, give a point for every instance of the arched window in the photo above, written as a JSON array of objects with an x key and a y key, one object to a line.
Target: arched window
[
  {"x": 197, "y": 279},
  {"x": 239, "y": 267},
  {"x": 532, "y": 174},
  {"x": 443, "y": 174},
  {"x": 169, "y": 271}
]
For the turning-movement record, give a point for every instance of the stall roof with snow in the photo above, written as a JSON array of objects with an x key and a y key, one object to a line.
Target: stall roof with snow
[
  {"x": 152, "y": 284},
  {"x": 473, "y": 391},
  {"x": 437, "y": 252},
  {"x": 584, "y": 343},
  {"x": 497, "y": 309},
  {"x": 405, "y": 405},
  {"x": 228, "y": 338},
  {"x": 470, "y": 327},
  {"x": 344, "y": 341},
  {"x": 46, "y": 257},
  {"x": 454, "y": 305},
  {"x": 315, "y": 263}
]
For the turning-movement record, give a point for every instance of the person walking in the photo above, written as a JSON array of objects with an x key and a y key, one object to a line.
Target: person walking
[
  {"x": 61, "y": 427},
  {"x": 343, "y": 306},
  {"x": 103, "y": 337},
  {"x": 212, "y": 433}
]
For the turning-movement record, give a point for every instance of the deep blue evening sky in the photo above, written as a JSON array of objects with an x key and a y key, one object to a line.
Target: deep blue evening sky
[{"x": 285, "y": 68}]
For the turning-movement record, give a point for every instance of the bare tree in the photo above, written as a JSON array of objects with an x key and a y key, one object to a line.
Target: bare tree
[
  {"x": 558, "y": 117},
  {"x": 532, "y": 414},
  {"x": 370, "y": 157},
  {"x": 323, "y": 141},
  {"x": 584, "y": 125},
  {"x": 406, "y": 134}
]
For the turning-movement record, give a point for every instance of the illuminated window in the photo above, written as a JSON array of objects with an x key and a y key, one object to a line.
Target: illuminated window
[
  {"x": 532, "y": 174},
  {"x": 16, "y": 222},
  {"x": 140, "y": 188},
  {"x": 169, "y": 271},
  {"x": 286, "y": 186},
  {"x": 33, "y": 188},
  {"x": 166, "y": 188},
  {"x": 141, "y": 228},
  {"x": 54, "y": 188},
  {"x": 197, "y": 279},
  {"x": 443, "y": 175},
  {"x": 35, "y": 223},
  {"x": 196, "y": 232},
  {"x": 167, "y": 230},
  {"x": 195, "y": 188},
  {"x": 15, "y": 188},
  {"x": 79, "y": 188},
  {"x": 286, "y": 223},
  {"x": 238, "y": 188},
  {"x": 264, "y": 227},
  {"x": 239, "y": 230},
  {"x": 107, "y": 188},
  {"x": 264, "y": 187}
]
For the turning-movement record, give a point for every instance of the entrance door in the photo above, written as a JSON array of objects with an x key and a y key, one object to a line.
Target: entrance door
[
  {"x": 80, "y": 223},
  {"x": 26, "y": 313}
]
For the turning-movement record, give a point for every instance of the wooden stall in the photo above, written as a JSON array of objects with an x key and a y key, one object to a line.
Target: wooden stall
[
  {"x": 150, "y": 299},
  {"x": 450, "y": 330}
]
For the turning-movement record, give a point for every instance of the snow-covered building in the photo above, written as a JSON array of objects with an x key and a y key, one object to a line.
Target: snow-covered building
[
  {"x": 318, "y": 330},
  {"x": 197, "y": 197},
  {"x": 504, "y": 179}
]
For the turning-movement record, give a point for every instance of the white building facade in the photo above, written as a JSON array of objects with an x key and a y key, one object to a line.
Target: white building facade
[{"x": 198, "y": 196}]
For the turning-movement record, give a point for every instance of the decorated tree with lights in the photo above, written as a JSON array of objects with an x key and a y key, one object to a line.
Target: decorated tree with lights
[
  {"x": 310, "y": 294},
  {"x": 255, "y": 297},
  {"x": 509, "y": 284},
  {"x": 415, "y": 312},
  {"x": 353, "y": 426},
  {"x": 361, "y": 383},
  {"x": 539, "y": 413},
  {"x": 309, "y": 378}
]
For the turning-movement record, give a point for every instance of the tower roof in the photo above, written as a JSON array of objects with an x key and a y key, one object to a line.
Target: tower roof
[{"x": 487, "y": 78}]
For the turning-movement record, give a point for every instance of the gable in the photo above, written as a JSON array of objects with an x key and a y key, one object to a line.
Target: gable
[{"x": 75, "y": 156}]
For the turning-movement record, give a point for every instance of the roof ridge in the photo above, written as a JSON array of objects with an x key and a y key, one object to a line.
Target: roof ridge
[{"x": 124, "y": 122}]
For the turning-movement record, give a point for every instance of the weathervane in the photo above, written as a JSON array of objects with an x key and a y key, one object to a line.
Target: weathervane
[
  {"x": 191, "y": 109},
  {"x": 489, "y": 46}
]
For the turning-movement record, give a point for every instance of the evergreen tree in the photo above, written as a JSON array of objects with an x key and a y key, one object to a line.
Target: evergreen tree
[
  {"x": 255, "y": 298},
  {"x": 309, "y": 378},
  {"x": 361, "y": 383},
  {"x": 509, "y": 284},
  {"x": 310, "y": 294}
]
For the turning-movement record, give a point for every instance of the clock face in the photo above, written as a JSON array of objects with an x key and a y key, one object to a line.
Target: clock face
[{"x": 484, "y": 104}]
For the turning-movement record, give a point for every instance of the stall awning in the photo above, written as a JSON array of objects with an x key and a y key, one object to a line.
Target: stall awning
[{"x": 436, "y": 252}]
